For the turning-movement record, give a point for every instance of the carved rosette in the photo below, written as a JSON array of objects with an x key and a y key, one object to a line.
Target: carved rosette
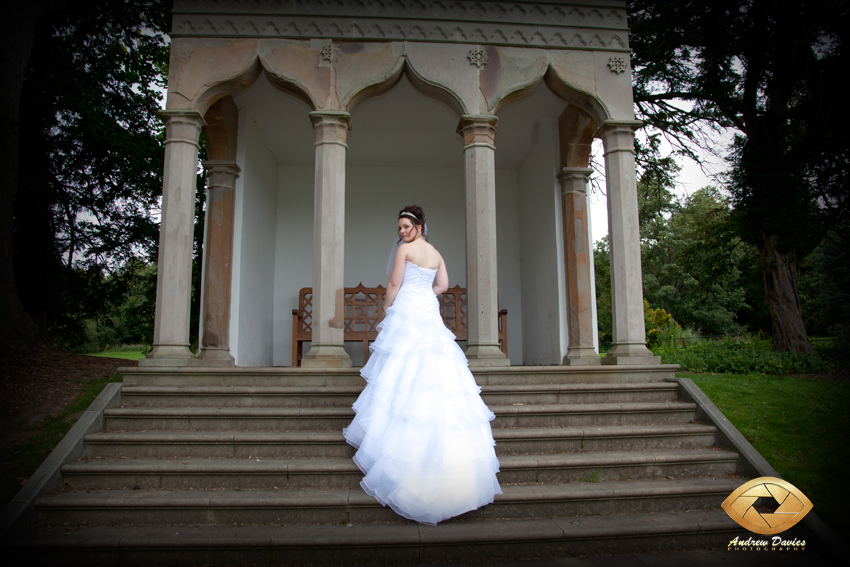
[
  {"x": 330, "y": 53},
  {"x": 477, "y": 57},
  {"x": 618, "y": 65}
]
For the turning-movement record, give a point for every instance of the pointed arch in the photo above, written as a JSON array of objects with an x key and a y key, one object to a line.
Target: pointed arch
[
  {"x": 222, "y": 123},
  {"x": 364, "y": 71},
  {"x": 512, "y": 74},
  {"x": 576, "y": 128},
  {"x": 434, "y": 88},
  {"x": 204, "y": 71},
  {"x": 575, "y": 87}
]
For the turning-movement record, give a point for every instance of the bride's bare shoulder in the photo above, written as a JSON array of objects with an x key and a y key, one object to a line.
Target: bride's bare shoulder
[{"x": 436, "y": 252}]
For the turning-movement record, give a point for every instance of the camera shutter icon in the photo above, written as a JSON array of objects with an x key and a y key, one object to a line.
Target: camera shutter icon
[{"x": 792, "y": 507}]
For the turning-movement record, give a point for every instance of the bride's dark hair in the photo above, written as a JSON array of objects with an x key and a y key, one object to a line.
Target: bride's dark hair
[{"x": 418, "y": 218}]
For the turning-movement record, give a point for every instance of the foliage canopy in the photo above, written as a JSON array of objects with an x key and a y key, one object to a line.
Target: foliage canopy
[
  {"x": 773, "y": 71},
  {"x": 90, "y": 159}
]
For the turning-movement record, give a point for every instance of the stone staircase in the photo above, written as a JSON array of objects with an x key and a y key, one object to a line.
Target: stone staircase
[{"x": 246, "y": 466}]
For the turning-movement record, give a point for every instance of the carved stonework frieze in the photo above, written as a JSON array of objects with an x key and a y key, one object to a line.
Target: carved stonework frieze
[
  {"x": 478, "y": 23},
  {"x": 618, "y": 65},
  {"x": 477, "y": 57},
  {"x": 588, "y": 15}
]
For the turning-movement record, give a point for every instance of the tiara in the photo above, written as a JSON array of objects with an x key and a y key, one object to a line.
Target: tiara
[{"x": 407, "y": 214}]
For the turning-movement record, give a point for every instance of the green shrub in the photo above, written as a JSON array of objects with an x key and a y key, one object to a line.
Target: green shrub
[
  {"x": 741, "y": 355},
  {"x": 660, "y": 325}
]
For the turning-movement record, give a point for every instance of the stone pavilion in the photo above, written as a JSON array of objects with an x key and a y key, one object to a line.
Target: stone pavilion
[{"x": 324, "y": 118}]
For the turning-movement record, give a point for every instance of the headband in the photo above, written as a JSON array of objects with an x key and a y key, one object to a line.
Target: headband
[{"x": 408, "y": 214}]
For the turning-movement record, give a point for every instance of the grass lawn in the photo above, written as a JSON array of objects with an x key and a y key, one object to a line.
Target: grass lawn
[
  {"x": 120, "y": 353},
  {"x": 23, "y": 460},
  {"x": 799, "y": 425}
]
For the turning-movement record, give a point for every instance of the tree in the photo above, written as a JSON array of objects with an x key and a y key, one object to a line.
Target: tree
[
  {"x": 692, "y": 269},
  {"x": 16, "y": 38},
  {"x": 689, "y": 256},
  {"x": 773, "y": 72},
  {"x": 90, "y": 159},
  {"x": 602, "y": 272},
  {"x": 825, "y": 283}
]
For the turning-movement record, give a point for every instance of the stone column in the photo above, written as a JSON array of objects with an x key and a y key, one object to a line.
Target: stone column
[
  {"x": 218, "y": 258},
  {"x": 482, "y": 344},
  {"x": 577, "y": 260},
  {"x": 629, "y": 336},
  {"x": 327, "y": 347},
  {"x": 174, "y": 268}
]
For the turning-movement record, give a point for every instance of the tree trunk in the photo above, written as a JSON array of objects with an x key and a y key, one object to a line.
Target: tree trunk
[
  {"x": 779, "y": 273},
  {"x": 17, "y": 29}
]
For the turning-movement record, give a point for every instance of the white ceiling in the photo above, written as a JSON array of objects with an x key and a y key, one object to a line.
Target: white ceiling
[{"x": 399, "y": 128}]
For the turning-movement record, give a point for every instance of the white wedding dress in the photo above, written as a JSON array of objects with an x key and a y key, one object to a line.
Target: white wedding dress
[{"x": 422, "y": 430}]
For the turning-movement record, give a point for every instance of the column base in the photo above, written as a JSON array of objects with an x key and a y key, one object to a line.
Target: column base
[
  {"x": 582, "y": 356},
  {"x": 169, "y": 355},
  {"x": 486, "y": 355},
  {"x": 326, "y": 356},
  {"x": 630, "y": 355},
  {"x": 215, "y": 356}
]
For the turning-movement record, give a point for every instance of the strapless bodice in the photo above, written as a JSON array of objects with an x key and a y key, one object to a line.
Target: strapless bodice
[{"x": 417, "y": 279}]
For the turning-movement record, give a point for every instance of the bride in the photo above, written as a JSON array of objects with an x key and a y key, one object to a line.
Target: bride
[{"x": 422, "y": 430}]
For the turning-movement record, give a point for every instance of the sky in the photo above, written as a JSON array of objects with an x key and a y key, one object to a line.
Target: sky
[{"x": 691, "y": 178}]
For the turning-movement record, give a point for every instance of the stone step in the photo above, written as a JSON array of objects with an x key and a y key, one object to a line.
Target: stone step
[
  {"x": 228, "y": 419},
  {"x": 268, "y": 474},
  {"x": 339, "y": 396},
  {"x": 364, "y": 543},
  {"x": 353, "y": 506},
  {"x": 547, "y": 440},
  {"x": 548, "y": 394},
  {"x": 288, "y": 376},
  {"x": 322, "y": 419},
  {"x": 239, "y": 396},
  {"x": 331, "y": 444},
  {"x": 600, "y": 414}
]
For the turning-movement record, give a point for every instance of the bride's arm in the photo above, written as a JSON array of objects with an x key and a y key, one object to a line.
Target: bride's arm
[
  {"x": 441, "y": 280},
  {"x": 396, "y": 276}
]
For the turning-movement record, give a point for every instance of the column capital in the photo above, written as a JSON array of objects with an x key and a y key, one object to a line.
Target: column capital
[
  {"x": 182, "y": 126},
  {"x": 331, "y": 126},
  {"x": 318, "y": 116},
  {"x": 579, "y": 174},
  {"x": 221, "y": 173},
  {"x": 226, "y": 166},
  {"x": 612, "y": 124},
  {"x": 619, "y": 135},
  {"x": 478, "y": 130},
  {"x": 189, "y": 116}
]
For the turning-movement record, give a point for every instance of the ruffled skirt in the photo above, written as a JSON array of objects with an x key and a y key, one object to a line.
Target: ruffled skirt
[{"x": 421, "y": 428}]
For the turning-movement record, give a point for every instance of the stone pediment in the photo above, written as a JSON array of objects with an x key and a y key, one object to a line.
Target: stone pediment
[{"x": 591, "y": 24}]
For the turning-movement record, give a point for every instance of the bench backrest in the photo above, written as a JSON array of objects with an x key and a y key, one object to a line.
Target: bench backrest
[{"x": 364, "y": 310}]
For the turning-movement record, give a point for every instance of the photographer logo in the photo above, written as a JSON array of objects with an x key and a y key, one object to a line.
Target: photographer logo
[{"x": 767, "y": 506}]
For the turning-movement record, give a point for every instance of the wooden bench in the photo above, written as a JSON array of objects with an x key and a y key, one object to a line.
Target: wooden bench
[{"x": 364, "y": 310}]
